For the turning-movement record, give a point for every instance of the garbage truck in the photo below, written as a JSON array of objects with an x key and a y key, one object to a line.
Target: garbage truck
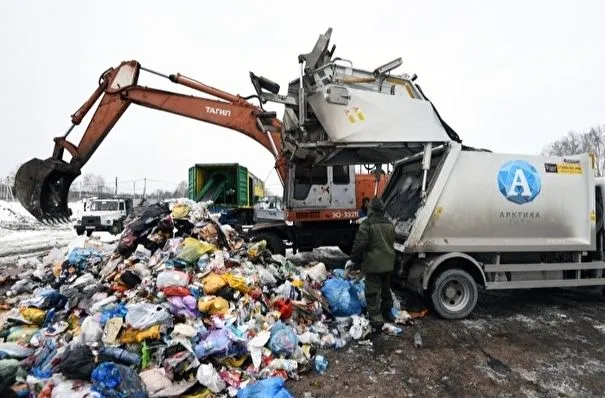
[
  {"x": 496, "y": 221},
  {"x": 464, "y": 217}
]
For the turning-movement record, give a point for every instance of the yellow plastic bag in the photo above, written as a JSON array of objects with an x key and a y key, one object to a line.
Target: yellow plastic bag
[
  {"x": 257, "y": 248},
  {"x": 33, "y": 315},
  {"x": 206, "y": 393},
  {"x": 298, "y": 283},
  {"x": 192, "y": 249},
  {"x": 213, "y": 306},
  {"x": 138, "y": 336},
  {"x": 180, "y": 211},
  {"x": 236, "y": 282},
  {"x": 212, "y": 283}
]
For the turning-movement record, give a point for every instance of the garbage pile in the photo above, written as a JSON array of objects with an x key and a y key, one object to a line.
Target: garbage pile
[{"x": 179, "y": 306}]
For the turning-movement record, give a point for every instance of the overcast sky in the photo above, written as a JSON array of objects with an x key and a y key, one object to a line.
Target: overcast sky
[{"x": 509, "y": 76}]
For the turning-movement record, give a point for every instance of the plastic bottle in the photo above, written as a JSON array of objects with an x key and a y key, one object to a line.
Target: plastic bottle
[
  {"x": 321, "y": 364},
  {"x": 122, "y": 355},
  {"x": 417, "y": 340}
]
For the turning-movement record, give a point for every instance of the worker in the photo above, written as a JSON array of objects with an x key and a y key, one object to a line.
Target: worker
[
  {"x": 363, "y": 212},
  {"x": 374, "y": 254}
]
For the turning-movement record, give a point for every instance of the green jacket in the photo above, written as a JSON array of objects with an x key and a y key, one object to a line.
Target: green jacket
[{"x": 373, "y": 247}]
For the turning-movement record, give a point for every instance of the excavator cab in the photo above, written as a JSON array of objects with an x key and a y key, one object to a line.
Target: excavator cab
[{"x": 42, "y": 187}]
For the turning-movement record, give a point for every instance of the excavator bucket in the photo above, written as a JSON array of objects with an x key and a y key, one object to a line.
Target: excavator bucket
[{"x": 42, "y": 187}]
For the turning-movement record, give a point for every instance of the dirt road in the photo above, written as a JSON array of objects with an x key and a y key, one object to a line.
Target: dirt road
[{"x": 547, "y": 343}]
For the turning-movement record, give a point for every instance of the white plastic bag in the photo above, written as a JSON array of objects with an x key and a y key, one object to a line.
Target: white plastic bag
[
  {"x": 144, "y": 315},
  {"x": 171, "y": 278},
  {"x": 91, "y": 331},
  {"x": 208, "y": 377},
  {"x": 318, "y": 273},
  {"x": 360, "y": 328}
]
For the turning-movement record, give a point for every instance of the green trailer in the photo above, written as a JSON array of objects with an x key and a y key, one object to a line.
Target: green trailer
[{"x": 231, "y": 187}]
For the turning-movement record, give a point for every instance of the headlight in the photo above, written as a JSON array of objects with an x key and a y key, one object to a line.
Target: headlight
[
  {"x": 78, "y": 222},
  {"x": 108, "y": 222}
]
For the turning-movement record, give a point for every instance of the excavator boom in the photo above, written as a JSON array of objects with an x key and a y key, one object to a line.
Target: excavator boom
[{"x": 42, "y": 186}]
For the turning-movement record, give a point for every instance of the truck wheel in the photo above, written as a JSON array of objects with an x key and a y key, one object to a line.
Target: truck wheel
[
  {"x": 80, "y": 231},
  {"x": 454, "y": 294},
  {"x": 89, "y": 232},
  {"x": 274, "y": 243}
]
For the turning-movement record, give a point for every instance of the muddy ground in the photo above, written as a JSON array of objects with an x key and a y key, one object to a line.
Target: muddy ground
[{"x": 541, "y": 343}]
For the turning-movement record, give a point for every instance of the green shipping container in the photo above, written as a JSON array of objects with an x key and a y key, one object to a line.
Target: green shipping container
[{"x": 226, "y": 184}]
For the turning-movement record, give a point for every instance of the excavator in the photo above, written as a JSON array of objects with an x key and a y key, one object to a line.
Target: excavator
[{"x": 320, "y": 201}]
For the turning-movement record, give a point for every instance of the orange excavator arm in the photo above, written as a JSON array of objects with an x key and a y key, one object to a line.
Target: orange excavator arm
[{"x": 42, "y": 186}]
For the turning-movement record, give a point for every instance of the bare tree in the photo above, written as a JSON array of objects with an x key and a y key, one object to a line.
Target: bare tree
[
  {"x": 99, "y": 184},
  {"x": 591, "y": 141},
  {"x": 181, "y": 190}
]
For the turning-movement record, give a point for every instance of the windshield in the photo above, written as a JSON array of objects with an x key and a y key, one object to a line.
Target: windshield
[{"x": 104, "y": 205}]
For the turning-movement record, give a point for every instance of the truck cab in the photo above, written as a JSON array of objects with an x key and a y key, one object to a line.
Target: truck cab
[{"x": 104, "y": 215}]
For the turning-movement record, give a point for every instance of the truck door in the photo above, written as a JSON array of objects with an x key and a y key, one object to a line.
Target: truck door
[
  {"x": 310, "y": 187},
  {"x": 342, "y": 184}
]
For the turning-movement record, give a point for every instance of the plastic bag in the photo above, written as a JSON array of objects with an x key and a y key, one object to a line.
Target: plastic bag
[
  {"x": 214, "y": 305},
  {"x": 273, "y": 387},
  {"x": 217, "y": 342},
  {"x": 342, "y": 297},
  {"x": 318, "y": 272},
  {"x": 113, "y": 380},
  {"x": 91, "y": 330},
  {"x": 192, "y": 249},
  {"x": 78, "y": 363},
  {"x": 70, "y": 389},
  {"x": 138, "y": 336},
  {"x": 180, "y": 291},
  {"x": 144, "y": 315},
  {"x": 9, "y": 370},
  {"x": 171, "y": 278},
  {"x": 212, "y": 283},
  {"x": 79, "y": 257},
  {"x": 155, "y": 380},
  {"x": 283, "y": 339},
  {"x": 15, "y": 350},
  {"x": 266, "y": 277},
  {"x": 360, "y": 328},
  {"x": 237, "y": 282},
  {"x": 208, "y": 377},
  {"x": 183, "y": 306},
  {"x": 180, "y": 211},
  {"x": 257, "y": 248},
  {"x": 22, "y": 334},
  {"x": 33, "y": 315}
]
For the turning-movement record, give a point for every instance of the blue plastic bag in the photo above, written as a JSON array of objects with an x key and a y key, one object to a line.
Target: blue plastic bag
[
  {"x": 118, "y": 311},
  {"x": 283, "y": 340},
  {"x": 111, "y": 380},
  {"x": 80, "y": 256},
  {"x": 273, "y": 387},
  {"x": 342, "y": 297}
]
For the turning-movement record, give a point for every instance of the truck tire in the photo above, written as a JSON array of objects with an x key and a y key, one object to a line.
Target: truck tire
[
  {"x": 89, "y": 232},
  {"x": 454, "y": 294},
  {"x": 274, "y": 243},
  {"x": 80, "y": 231}
]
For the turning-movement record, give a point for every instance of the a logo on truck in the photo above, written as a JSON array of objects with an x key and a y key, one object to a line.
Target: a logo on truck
[{"x": 519, "y": 181}]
